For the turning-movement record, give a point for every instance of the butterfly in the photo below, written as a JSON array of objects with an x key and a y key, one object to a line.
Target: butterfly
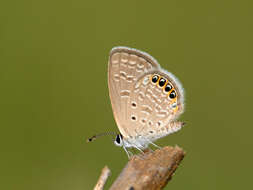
[{"x": 146, "y": 99}]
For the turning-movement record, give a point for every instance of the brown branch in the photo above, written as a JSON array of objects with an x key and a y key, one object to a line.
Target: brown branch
[
  {"x": 152, "y": 170},
  {"x": 103, "y": 178}
]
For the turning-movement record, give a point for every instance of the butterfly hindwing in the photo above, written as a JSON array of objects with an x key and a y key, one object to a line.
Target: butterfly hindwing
[{"x": 152, "y": 108}]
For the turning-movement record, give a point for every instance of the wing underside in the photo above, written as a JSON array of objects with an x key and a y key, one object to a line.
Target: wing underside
[
  {"x": 154, "y": 110},
  {"x": 125, "y": 67}
]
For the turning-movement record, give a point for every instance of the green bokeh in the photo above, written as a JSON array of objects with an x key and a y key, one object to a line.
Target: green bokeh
[{"x": 53, "y": 80}]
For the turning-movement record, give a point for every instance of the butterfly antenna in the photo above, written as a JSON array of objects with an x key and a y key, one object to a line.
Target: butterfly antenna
[{"x": 100, "y": 135}]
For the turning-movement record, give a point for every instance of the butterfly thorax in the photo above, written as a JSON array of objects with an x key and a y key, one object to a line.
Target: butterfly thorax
[{"x": 136, "y": 142}]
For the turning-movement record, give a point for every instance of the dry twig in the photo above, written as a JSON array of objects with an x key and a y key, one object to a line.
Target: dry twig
[
  {"x": 103, "y": 178},
  {"x": 150, "y": 171}
]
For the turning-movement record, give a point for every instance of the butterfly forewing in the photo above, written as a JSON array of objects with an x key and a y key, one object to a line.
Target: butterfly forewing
[{"x": 126, "y": 65}]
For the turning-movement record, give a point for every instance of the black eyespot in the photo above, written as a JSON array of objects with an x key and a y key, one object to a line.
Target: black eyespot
[
  {"x": 162, "y": 82},
  {"x": 134, "y": 104},
  {"x": 151, "y": 131},
  {"x": 155, "y": 78},
  {"x": 118, "y": 139},
  {"x": 133, "y": 118},
  {"x": 167, "y": 88},
  {"x": 172, "y": 94}
]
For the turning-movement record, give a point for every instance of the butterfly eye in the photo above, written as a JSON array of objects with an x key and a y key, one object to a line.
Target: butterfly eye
[
  {"x": 118, "y": 140},
  {"x": 172, "y": 94},
  {"x": 155, "y": 78},
  {"x": 162, "y": 82},
  {"x": 167, "y": 88}
]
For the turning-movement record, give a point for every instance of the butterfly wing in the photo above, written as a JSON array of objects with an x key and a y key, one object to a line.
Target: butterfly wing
[
  {"x": 125, "y": 67},
  {"x": 156, "y": 101}
]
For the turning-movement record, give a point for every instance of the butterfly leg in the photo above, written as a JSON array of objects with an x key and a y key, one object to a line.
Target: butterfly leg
[
  {"x": 155, "y": 145},
  {"x": 138, "y": 149},
  {"x": 129, "y": 154},
  {"x": 150, "y": 142},
  {"x": 142, "y": 155}
]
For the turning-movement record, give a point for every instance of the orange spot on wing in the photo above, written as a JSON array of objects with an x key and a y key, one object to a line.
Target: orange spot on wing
[
  {"x": 165, "y": 83},
  {"x": 171, "y": 91},
  {"x": 176, "y": 109},
  {"x": 157, "y": 83}
]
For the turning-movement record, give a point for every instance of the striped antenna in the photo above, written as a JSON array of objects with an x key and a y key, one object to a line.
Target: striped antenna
[{"x": 100, "y": 135}]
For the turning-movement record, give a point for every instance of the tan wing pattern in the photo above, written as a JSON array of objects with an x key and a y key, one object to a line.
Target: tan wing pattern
[
  {"x": 125, "y": 66},
  {"x": 156, "y": 101}
]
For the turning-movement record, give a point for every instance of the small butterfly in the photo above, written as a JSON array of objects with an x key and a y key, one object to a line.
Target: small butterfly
[{"x": 146, "y": 99}]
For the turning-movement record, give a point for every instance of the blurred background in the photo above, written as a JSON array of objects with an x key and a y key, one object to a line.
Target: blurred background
[{"x": 54, "y": 95}]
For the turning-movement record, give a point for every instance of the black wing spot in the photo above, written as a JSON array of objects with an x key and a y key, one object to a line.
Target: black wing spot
[
  {"x": 173, "y": 94},
  {"x": 162, "y": 82},
  {"x": 155, "y": 78},
  {"x": 134, "y": 105},
  {"x": 167, "y": 88}
]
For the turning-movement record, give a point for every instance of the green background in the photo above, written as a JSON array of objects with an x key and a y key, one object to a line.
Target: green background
[{"x": 53, "y": 81}]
